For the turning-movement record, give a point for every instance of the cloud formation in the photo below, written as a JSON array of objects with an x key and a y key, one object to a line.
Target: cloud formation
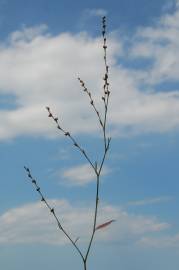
[
  {"x": 31, "y": 223},
  {"x": 169, "y": 241},
  {"x": 38, "y": 69},
  {"x": 156, "y": 200},
  {"x": 81, "y": 175},
  {"x": 95, "y": 12}
]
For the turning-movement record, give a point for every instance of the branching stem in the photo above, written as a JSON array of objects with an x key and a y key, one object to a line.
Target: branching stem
[
  {"x": 97, "y": 167},
  {"x": 105, "y": 98}
]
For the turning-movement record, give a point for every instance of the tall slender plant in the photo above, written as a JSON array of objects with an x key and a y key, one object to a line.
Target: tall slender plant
[{"x": 95, "y": 166}]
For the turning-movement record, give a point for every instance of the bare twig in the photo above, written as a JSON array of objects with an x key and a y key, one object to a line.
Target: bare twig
[
  {"x": 52, "y": 210},
  {"x": 68, "y": 134},
  {"x": 85, "y": 89}
]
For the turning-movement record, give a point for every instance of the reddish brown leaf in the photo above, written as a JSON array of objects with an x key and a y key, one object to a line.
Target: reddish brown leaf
[{"x": 101, "y": 226}]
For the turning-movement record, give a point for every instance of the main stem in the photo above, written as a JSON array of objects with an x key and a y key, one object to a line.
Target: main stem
[
  {"x": 85, "y": 267},
  {"x": 106, "y": 142},
  {"x": 98, "y": 173},
  {"x": 95, "y": 217}
]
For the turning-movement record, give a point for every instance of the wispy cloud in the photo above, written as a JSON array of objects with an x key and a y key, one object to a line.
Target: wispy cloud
[
  {"x": 95, "y": 12},
  {"x": 81, "y": 175},
  {"x": 150, "y": 201},
  {"x": 160, "y": 43},
  {"x": 39, "y": 69},
  {"x": 28, "y": 34},
  {"x": 32, "y": 223},
  {"x": 169, "y": 6},
  {"x": 168, "y": 241}
]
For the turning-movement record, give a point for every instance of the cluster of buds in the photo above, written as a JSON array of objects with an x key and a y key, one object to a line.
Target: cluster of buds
[
  {"x": 104, "y": 26},
  {"x": 68, "y": 134},
  {"x": 34, "y": 182},
  {"x": 53, "y": 117},
  {"x": 85, "y": 89},
  {"x": 106, "y": 82}
]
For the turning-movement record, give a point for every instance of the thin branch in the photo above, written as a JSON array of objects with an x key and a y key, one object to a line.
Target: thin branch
[
  {"x": 68, "y": 134},
  {"x": 85, "y": 89},
  {"x": 52, "y": 210},
  {"x": 105, "y": 98},
  {"x": 97, "y": 200},
  {"x": 106, "y": 77}
]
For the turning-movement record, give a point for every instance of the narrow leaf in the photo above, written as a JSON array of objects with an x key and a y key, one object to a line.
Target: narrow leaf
[{"x": 101, "y": 226}]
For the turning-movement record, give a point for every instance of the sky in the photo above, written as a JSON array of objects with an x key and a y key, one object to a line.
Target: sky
[{"x": 44, "y": 47}]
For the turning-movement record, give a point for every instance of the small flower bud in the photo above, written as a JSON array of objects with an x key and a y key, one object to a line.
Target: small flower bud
[{"x": 27, "y": 169}]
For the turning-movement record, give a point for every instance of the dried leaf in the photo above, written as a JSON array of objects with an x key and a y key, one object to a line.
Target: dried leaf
[{"x": 101, "y": 226}]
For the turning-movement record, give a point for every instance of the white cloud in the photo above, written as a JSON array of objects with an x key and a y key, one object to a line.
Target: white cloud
[
  {"x": 95, "y": 12},
  {"x": 160, "y": 43},
  {"x": 150, "y": 201},
  {"x": 160, "y": 242},
  {"x": 81, "y": 175},
  {"x": 39, "y": 69},
  {"x": 32, "y": 223},
  {"x": 27, "y": 34}
]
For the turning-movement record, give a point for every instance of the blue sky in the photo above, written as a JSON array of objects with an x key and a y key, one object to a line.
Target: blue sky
[{"x": 44, "y": 47}]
